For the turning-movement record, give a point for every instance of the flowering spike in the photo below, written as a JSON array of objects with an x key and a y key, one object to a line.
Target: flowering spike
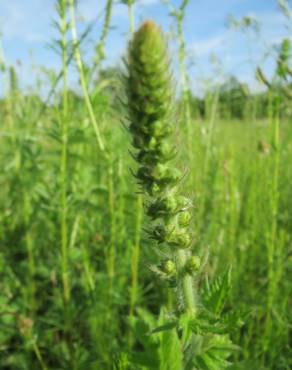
[{"x": 150, "y": 98}]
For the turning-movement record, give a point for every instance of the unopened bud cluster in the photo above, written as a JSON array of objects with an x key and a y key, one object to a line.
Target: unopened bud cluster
[{"x": 150, "y": 107}]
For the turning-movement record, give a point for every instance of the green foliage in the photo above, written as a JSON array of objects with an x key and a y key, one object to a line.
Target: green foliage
[
  {"x": 211, "y": 353},
  {"x": 232, "y": 225},
  {"x": 283, "y": 68},
  {"x": 214, "y": 296},
  {"x": 161, "y": 347}
]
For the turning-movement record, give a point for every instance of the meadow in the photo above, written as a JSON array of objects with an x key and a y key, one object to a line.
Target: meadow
[{"x": 80, "y": 277}]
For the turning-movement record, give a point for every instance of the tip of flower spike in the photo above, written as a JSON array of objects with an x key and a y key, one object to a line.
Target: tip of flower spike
[
  {"x": 147, "y": 53},
  {"x": 148, "y": 25},
  {"x": 148, "y": 28}
]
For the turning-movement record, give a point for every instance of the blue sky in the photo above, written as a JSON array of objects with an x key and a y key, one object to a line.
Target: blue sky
[{"x": 214, "y": 49}]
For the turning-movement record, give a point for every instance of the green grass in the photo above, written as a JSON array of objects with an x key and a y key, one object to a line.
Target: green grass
[{"x": 108, "y": 252}]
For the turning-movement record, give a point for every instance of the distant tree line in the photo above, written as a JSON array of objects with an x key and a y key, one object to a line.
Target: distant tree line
[{"x": 234, "y": 100}]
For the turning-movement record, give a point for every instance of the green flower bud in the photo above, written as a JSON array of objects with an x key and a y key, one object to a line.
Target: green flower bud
[
  {"x": 160, "y": 171},
  {"x": 179, "y": 238},
  {"x": 169, "y": 268},
  {"x": 162, "y": 207},
  {"x": 154, "y": 189},
  {"x": 183, "y": 203},
  {"x": 193, "y": 265},
  {"x": 166, "y": 176},
  {"x": 165, "y": 152},
  {"x": 152, "y": 144},
  {"x": 158, "y": 129},
  {"x": 163, "y": 233},
  {"x": 184, "y": 219},
  {"x": 169, "y": 204}
]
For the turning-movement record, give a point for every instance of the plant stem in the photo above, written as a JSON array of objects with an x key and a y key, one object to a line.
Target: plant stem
[
  {"x": 183, "y": 72},
  {"x": 82, "y": 78},
  {"x": 111, "y": 249},
  {"x": 136, "y": 255},
  {"x": 39, "y": 355},
  {"x": 104, "y": 32},
  {"x": 131, "y": 16},
  {"x": 274, "y": 223},
  {"x": 63, "y": 165},
  {"x": 29, "y": 248},
  {"x": 181, "y": 257},
  {"x": 64, "y": 185}
]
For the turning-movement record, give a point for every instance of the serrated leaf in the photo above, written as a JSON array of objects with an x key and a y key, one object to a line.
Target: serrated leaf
[
  {"x": 233, "y": 320},
  {"x": 212, "y": 352},
  {"x": 214, "y": 296}
]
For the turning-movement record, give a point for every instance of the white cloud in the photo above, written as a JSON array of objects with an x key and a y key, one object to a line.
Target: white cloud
[{"x": 206, "y": 46}]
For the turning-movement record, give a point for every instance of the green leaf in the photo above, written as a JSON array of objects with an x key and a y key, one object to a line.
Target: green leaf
[
  {"x": 162, "y": 349},
  {"x": 234, "y": 320},
  {"x": 186, "y": 324},
  {"x": 171, "y": 356},
  {"x": 165, "y": 327},
  {"x": 148, "y": 359},
  {"x": 211, "y": 352},
  {"x": 214, "y": 296}
]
